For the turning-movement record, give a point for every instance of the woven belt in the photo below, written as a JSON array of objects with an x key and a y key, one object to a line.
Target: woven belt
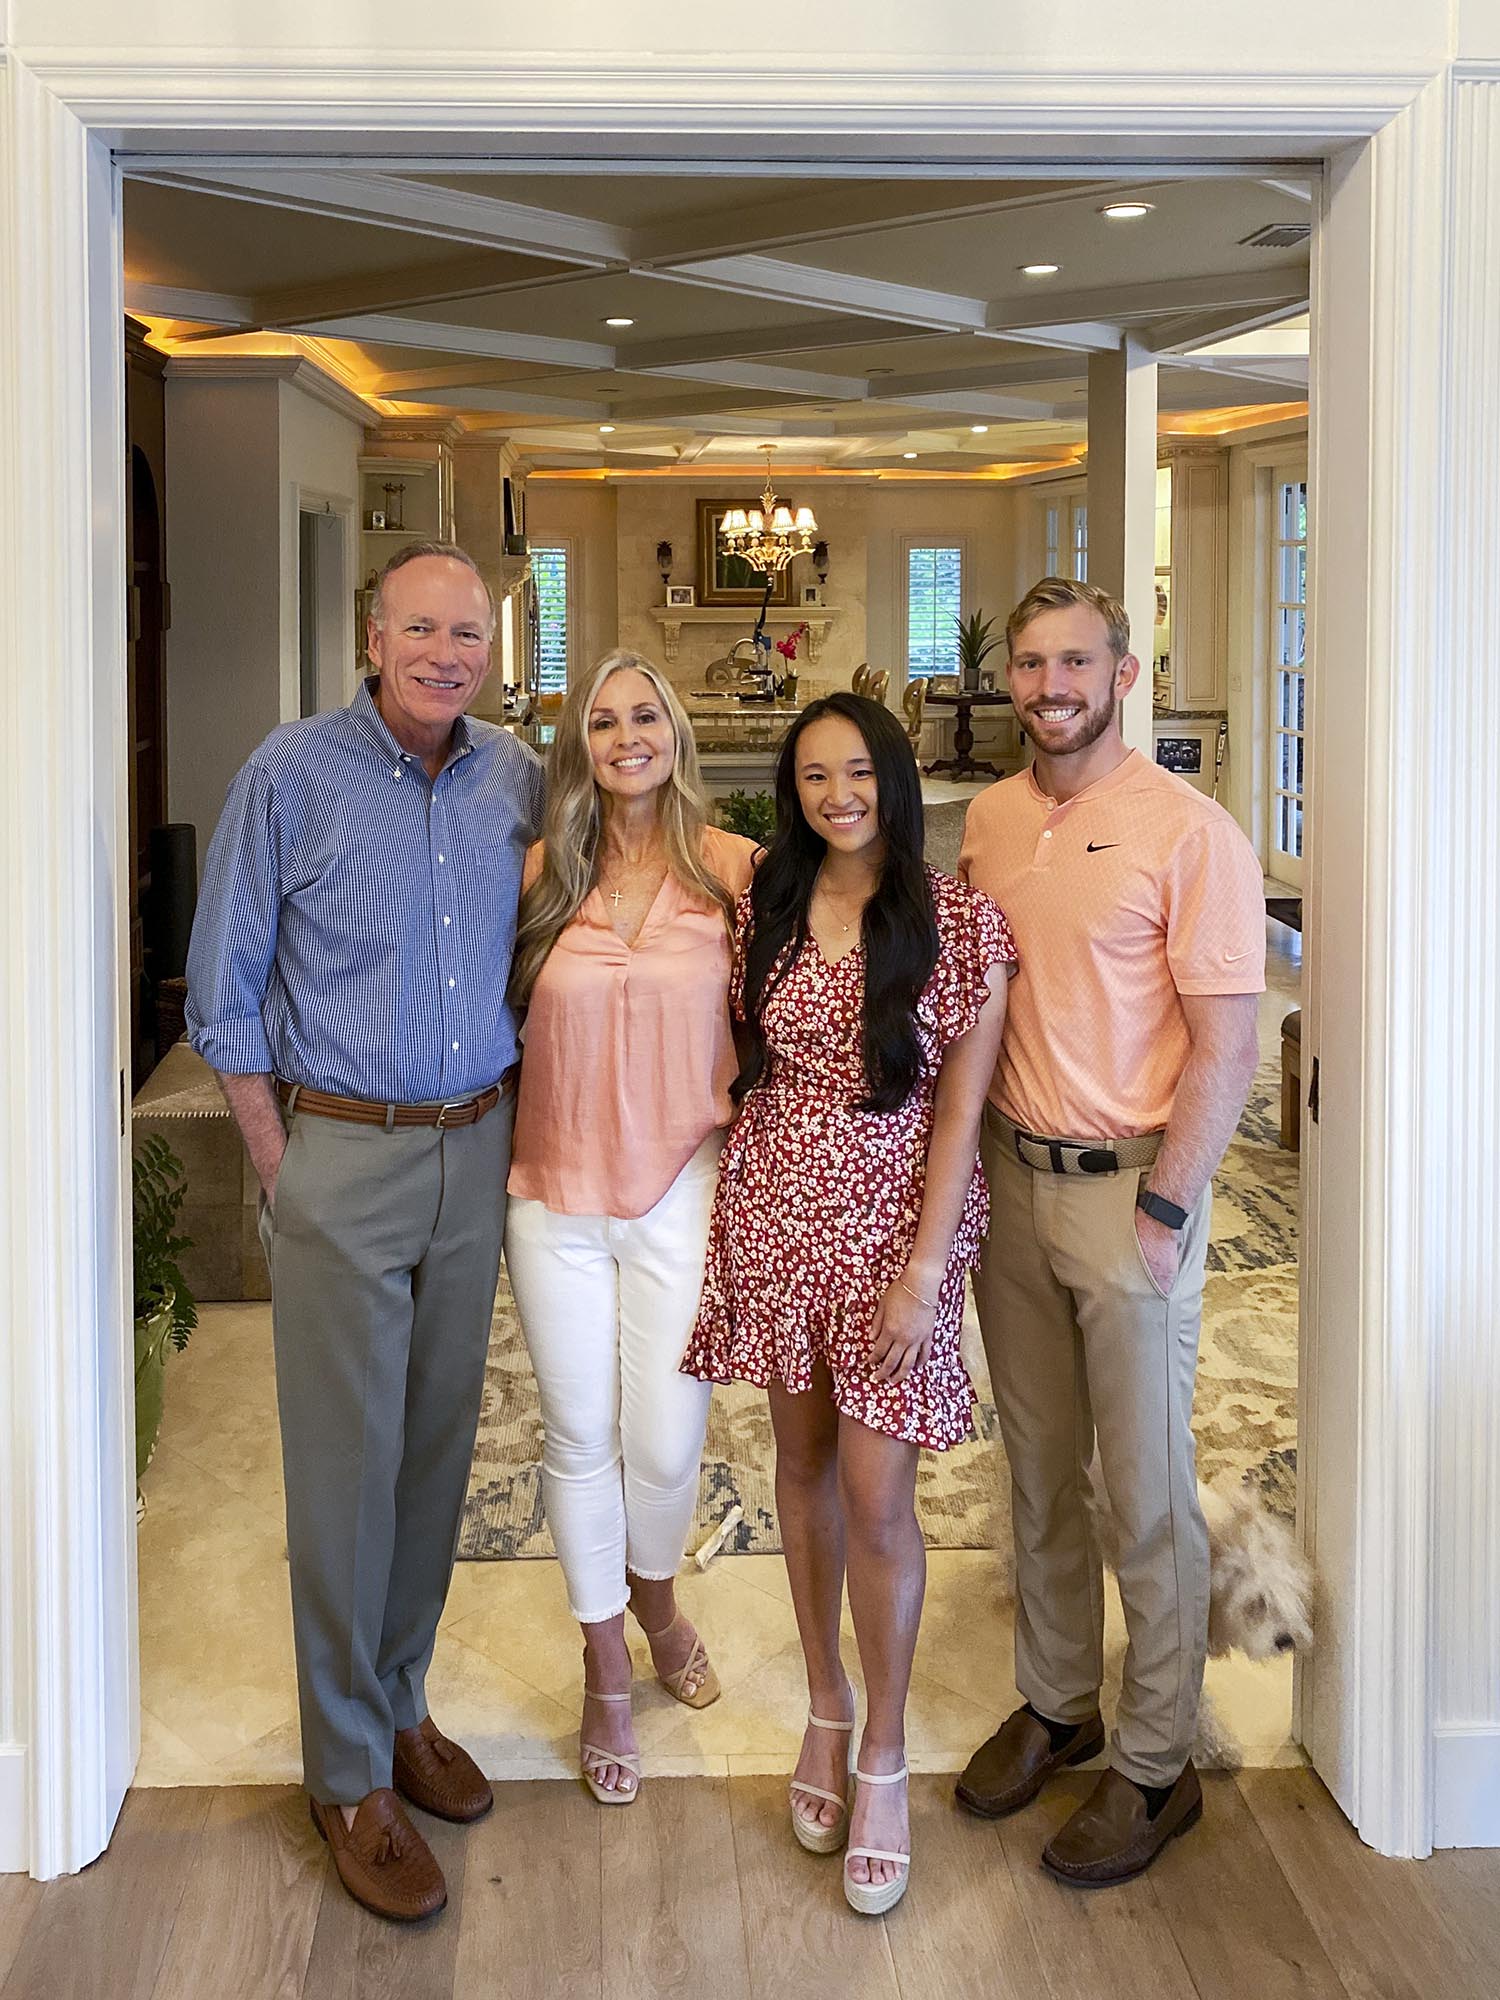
[
  {"x": 361, "y": 1111},
  {"x": 1076, "y": 1156}
]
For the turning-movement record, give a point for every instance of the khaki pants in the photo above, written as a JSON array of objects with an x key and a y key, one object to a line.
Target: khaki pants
[
  {"x": 1083, "y": 1347},
  {"x": 384, "y": 1252}
]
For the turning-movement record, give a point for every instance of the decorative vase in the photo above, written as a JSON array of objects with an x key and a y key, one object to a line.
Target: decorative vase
[
  {"x": 968, "y": 680},
  {"x": 150, "y": 1380}
]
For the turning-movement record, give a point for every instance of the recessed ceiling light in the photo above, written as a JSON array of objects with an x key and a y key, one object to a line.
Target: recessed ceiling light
[
  {"x": 908, "y": 454},
  {"x": 1126, "y": 211},
  {"x": 1040, "y": 270},
  {"x": 605, "y": 429},
  {"x": 619, "y": 322},
  {"x": 979, "y": 429}
]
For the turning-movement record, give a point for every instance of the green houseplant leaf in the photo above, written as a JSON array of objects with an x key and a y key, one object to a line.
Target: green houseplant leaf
[{"x": 752, "y": 814}]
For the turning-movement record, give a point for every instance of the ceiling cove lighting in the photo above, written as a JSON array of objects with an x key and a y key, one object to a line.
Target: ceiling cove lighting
[
  {"x": 619, "y": 322},
  {"x": 605, "y": 429},
  {"x": 768, "y": 536},
  {"x": 1127, "y": 211},
  {"x": 908, "y": 454},
  {"x": 979, "y": 429},
  {"x": 1040, "y": 270}
]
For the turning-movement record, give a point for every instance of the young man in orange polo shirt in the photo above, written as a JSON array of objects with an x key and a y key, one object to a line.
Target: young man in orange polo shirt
[{"x": 1130, "y": 1041}]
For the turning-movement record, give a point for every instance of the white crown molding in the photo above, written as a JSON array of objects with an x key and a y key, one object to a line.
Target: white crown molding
[
  {"x": 626, "y": 94},
  {"x": 293, "y": 368}
]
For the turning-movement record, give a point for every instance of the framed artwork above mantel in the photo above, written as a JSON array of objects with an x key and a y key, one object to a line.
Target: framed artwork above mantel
[{"x": 729, "y": 579}]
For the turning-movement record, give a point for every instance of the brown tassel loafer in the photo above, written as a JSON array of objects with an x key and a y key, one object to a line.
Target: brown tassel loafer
[
  {"x": 438, "y": 1775},
  {"x": 382, "y": 1860},
  {"x": 1009, "y": 1770},
  {"x": 1111, "y": 1836}
]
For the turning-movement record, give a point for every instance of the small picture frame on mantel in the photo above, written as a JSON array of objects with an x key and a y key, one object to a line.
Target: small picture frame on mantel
[{"x": 680, "y": 597}]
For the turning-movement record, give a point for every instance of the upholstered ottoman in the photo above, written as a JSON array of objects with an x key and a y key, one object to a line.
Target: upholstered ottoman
[{"x": 182, "y": 1101}]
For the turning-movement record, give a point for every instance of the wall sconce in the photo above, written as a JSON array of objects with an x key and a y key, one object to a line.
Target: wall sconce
[
  {"x": 820, "y": 561},
  {"x": 664, "y": 560}
]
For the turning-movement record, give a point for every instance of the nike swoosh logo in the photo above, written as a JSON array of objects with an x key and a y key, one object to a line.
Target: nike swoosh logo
[
  {"x": 1100, "y": 846},
  {"x": 1234, "y": 957}
]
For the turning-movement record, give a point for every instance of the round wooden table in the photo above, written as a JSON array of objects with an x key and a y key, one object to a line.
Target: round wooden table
[{"x": 961, "y": 764}]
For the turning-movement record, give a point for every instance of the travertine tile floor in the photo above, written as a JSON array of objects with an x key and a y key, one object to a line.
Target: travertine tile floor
[{"x": 217, "y": 1686}]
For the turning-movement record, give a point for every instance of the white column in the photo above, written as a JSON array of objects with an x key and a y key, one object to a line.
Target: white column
[
  {"x": 1122, "y": 506},
  {"x": 68, "y": 1700},
  {"x": 1401, "y": 1700}
]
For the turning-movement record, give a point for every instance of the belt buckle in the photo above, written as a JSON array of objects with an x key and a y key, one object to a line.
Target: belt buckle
[
  {"x": 1097, "y": 1160},
  {"x": 453, "y": 1104}
]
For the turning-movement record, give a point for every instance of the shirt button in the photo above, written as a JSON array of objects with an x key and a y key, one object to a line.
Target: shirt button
[
  {"x": 1046, "y": 836},
  {"x": 447, "y": 921},
  {"x": 442, "y": 857},
  {"x": 455, "y": 1048},
  {"x": 453, "y": 982},
  {"x": 1052, "y": 805}
]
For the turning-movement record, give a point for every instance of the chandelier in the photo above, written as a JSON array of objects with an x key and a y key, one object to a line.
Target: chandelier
[{"x": 768, "y": 536}]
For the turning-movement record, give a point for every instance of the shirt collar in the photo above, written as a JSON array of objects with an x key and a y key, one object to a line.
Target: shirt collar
[
  {"x": 368, "y": 720},
  {"x": 1123, "y": 770}
]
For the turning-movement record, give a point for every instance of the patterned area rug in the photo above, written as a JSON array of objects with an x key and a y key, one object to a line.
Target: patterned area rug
[{"x": 1244, "y": 1417}]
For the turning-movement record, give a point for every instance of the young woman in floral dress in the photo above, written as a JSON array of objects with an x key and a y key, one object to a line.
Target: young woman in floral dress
[{"x": 849, "y": 1209}]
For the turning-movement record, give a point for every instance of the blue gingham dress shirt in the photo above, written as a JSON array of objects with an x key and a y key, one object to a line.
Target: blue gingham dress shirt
[{"x": 356, "y": 920}]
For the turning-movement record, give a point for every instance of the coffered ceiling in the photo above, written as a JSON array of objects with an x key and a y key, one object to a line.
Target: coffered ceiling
[{"x": 859, "y": 323}]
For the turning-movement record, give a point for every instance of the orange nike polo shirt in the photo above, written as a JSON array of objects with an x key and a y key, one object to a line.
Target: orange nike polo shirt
[{"x": 1121, "y": 900}]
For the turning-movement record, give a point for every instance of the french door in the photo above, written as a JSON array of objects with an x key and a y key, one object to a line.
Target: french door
[{"x": 1286, "y": 630}]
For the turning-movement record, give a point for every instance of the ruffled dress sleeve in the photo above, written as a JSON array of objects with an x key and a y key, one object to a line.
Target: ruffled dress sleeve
[
  {"x": 973, "y": 938},
  {"x": 737, "y": 969}
]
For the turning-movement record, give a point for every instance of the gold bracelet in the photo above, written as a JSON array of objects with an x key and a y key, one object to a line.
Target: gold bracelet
[{"x": 931, "y": 1304}]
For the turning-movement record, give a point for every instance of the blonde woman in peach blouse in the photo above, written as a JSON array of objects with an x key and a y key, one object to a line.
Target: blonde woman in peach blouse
[{"x": 622, "y": 962}]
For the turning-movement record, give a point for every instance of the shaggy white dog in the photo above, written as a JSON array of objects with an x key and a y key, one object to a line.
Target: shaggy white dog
[{"x": 1260, "y": 1583}]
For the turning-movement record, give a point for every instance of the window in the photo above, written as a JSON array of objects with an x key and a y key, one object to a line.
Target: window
[
  {"x": 1065, "y": 534},
  {"x": 1289, "y": 665},
  {"x": 549, "y": 571},
  {"x": 1080, "y": 514},
  {"x": 934, "y": 595}
]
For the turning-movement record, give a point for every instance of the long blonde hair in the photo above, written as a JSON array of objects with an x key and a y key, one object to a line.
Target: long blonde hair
[{"x": 570, "y": 832}]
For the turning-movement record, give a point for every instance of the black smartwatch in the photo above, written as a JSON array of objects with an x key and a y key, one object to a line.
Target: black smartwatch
[{"x": 1161, "y": 1210}]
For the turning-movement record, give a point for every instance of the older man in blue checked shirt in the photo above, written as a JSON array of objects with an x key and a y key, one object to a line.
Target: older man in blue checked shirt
[{"x": 347, "y": 980}]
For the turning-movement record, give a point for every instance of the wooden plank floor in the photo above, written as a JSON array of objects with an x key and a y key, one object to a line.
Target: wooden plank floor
[{"x": 699, "y": 1890}]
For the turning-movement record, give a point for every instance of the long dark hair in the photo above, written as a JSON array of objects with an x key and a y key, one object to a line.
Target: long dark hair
[{"x": 899, "y": 928}]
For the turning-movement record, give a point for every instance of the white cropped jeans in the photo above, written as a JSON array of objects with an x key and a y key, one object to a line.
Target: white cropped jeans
[{"x": 606, "y": 1308}]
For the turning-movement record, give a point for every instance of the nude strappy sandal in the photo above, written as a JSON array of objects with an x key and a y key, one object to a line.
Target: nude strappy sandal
[
  {"x": 593, "y": 1760},
  {"x": 873, "y": 1899},
  {"x": 697, "y": 1665},
  {"x": 816, "y": 1838}
]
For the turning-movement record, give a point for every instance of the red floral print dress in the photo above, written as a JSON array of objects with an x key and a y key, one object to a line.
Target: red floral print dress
[{"x": 818, "y": 1204}]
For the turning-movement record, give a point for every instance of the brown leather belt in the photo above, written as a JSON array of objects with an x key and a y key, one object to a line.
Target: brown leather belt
[{"x": 361, "y": 1111}]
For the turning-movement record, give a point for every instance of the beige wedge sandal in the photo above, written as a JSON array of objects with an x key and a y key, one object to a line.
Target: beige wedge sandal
[
  {"x": 697, "y": 1666},
  {"x": 812, "y": 1834},
  {"x": 593, "y": 1761},
  {"x": 873, "y": 1899}
]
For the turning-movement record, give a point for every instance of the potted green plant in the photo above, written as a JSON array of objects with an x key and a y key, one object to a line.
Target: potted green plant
[
  {"x": 752, "y": 814},
  {"x": 976, "y": 641},
  {"x": 165, "y": 1313}
]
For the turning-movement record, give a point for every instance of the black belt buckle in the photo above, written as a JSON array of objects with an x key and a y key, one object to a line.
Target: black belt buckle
[{"x": 1097, "y": 1160}]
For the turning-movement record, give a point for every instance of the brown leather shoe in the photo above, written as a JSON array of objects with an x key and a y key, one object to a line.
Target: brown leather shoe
[
  {"x": 439, "y": 1776},
  {"x": 382, "y": 1860},
  {"x": 1009, "y": 1770},
  {"x": 1110, "y": 1838}
]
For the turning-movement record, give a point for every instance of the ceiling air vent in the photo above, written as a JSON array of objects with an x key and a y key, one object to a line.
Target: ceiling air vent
[{"x": 1278, "y": 236}]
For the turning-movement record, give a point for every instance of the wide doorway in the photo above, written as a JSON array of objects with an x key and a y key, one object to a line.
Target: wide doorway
[{"x": 570, "y": 371}]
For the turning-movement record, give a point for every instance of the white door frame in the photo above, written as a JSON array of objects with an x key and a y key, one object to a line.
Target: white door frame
[{"x": 1400, "y": 1401}]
